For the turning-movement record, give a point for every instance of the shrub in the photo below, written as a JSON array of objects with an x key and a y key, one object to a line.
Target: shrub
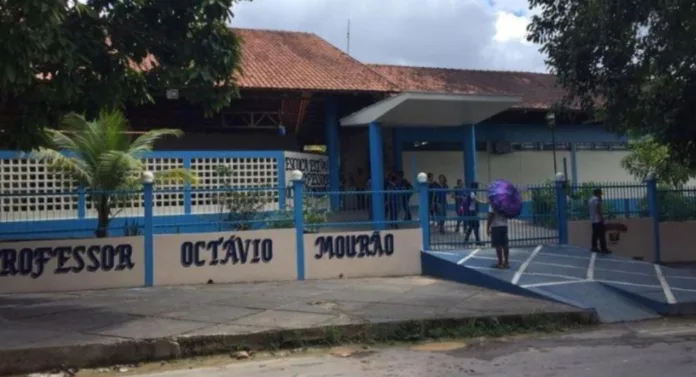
[
  {"x": 544, "y": 207},
  {"x": 315, "y": 211},
  {"x": 673, "y": 204}
]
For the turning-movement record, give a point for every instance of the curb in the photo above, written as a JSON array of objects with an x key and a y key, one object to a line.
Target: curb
[{"x": 16, "y": 361}]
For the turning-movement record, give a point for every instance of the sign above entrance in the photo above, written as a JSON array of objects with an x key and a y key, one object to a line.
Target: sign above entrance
[{"x": 314, "y": 168}]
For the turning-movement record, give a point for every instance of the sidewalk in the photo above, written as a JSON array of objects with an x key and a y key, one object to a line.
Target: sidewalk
[{"x": 109, "y": 321}]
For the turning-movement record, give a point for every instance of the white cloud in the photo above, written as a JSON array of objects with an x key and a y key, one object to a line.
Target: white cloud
[
  {"x": 510, "y": 27},
  {"x": 474, "y": 34}
]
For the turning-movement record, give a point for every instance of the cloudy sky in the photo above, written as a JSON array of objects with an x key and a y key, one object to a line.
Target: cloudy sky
[{"x": 474, "y": 34}]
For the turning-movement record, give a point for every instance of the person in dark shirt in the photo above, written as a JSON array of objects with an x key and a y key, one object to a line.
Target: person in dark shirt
[
  {"x": 473, "y": 224},
  {"x": 459, "y": 195},
  {"x": 432, "y": 186},
  {"x": 361, "y": 186},
  {"x": 403, "y": 184},
  {"x": 441, "y": 202},
  {"x": 391, "y": 199}
]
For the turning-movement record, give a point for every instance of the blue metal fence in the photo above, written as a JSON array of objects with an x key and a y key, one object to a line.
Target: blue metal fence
[{"x": 548, "y": 207}]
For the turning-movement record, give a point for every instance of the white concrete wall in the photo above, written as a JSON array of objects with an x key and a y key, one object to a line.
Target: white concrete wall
[{"x": 524, "y": 167}]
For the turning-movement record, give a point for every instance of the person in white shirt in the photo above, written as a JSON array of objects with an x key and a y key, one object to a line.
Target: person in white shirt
[
  {"x": 498, "y": 231},
  {"x": 594, "y": 206}
]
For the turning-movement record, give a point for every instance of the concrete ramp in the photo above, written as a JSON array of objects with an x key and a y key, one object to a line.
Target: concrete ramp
[{"x": 618, "y": 289}]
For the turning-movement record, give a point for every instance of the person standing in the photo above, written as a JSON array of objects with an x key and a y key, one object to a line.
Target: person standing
[
  {"x": 473, "y": 225},
  {"x": 498, "y": 231},
  {"x": 460, "y": 204},
  {"x": 392, "y": 200},
  {"x": 441, "y": 202},
  {"x": 599, "y": 235},
  {"x": 361, "y": 186},
  {"x": 404, "y": 185},
  {"x": 432, "y": 186}
]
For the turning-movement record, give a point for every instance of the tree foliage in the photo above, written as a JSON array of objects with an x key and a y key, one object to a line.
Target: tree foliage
[
  {"x": 631, "y": 61},
  {"x": 101, "y": 157},
  {"x": 58, "y": 56},
  {"x": 647, "y": 155}
]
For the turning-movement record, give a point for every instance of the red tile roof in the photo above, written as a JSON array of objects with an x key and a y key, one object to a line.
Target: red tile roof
[
  {"x": 294, "y": 60},
  {"x": 288, "y": 60},
  {"x": 538, "y": 90}
]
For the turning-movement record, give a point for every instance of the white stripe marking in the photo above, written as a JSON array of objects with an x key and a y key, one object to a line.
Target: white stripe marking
[
  {"x": 590, "y": 267},
  {"x": 554, "y": 276},
  {"x": 443, "y": 253},
  {"x": 665, "y": 286},
  {"x": 628, "y": 284},
  {"x": 683, "y": 290},
  {"x": 606, "y": 259},
  {"x": 552, "y": 283},
  {"x": 466, "y": 258},
  {"x": 520, "y": 271},
  {"x": 537, "y": 263},
  {"x": 683, "y": 330}
]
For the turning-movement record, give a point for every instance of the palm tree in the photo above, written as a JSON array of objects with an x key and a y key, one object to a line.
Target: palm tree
[{"x": 101, "y": 157}]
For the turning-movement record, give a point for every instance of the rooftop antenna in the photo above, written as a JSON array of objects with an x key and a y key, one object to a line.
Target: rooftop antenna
[{"x": 348, "y": 38}]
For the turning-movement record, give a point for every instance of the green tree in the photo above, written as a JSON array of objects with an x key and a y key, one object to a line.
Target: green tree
[
  {"x": 647, "y": 155},
  {"x": 630, "y": 61},
  {"x": 101, "y": 157},
  {"x": 58, "y": 56}
]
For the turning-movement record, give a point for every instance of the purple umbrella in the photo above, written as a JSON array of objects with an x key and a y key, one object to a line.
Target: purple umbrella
[{"x": 505, "y": 198}]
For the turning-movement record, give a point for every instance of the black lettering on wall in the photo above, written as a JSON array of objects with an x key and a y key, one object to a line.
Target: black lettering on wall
[
  {"x": 315, "y": 171},
  {"x": 32, "y": 262},
  {"x": 233, "y": 250},
  {"x": 354, "y": 246}
]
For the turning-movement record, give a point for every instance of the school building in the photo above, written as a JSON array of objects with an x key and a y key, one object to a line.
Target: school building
[{"x": 298, "y": 91}]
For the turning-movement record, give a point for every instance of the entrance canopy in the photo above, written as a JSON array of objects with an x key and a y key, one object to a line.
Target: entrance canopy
[{"x": 419, "y": 109}]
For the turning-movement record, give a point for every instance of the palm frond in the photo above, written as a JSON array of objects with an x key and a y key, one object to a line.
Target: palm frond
[
  {"x": 115, "y": 167},
  {"x": 61, "y": 141},
  {"x": 72, "y": 167},
  {"x": 146, "y": 141},
  {"x": 176, "y": 175},
  {"x": 73, "y": 122},
  {"x": 113, "y": 125}
]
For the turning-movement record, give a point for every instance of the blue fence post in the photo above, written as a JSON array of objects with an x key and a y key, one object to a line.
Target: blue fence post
[
  {"x": 187, "y": 188},
  {"x": 424, "y": 209},
  {"x": 81, "y": 202},
  {"x": 561, "y": 208},
  {"x": 148, "y": 179},
  {"x": 298, "y": 209},
  {"x": 654, "y": 208},
  {"x": 282, "y": 190}
]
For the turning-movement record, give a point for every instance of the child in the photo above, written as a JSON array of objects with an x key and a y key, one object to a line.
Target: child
[{"x": 498, "y": 231}]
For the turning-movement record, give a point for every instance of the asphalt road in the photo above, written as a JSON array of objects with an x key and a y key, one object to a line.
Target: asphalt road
[{"x": 647, "y": 349}]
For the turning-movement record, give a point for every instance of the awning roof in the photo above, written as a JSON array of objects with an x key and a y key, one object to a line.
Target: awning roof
[{"x": 432, "y": 109}]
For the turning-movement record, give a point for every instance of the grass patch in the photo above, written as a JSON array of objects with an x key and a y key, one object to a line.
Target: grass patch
[
  {"x": 388, "y": 332},
  {"x": 295, "y": 341}
]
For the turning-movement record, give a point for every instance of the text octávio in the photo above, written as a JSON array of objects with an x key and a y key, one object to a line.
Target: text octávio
[{"x": 233, "y": 250}]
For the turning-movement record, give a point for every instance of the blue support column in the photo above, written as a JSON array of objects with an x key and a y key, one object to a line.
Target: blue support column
[
  {"x": 654, "y": 207},
  {"x": 469, "y": 148},
  {"x": 574, "y": 164},
  {"x": 424, "y": 211},
  {"x": 333, "y": 150},
  {"x": 397, "y": 146},
  {"x": 298, "y": 203},
  {"x": 561, "y": 209},
  {"x": 148, "y": 235},
  {"x": 377, "y": 175}
]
